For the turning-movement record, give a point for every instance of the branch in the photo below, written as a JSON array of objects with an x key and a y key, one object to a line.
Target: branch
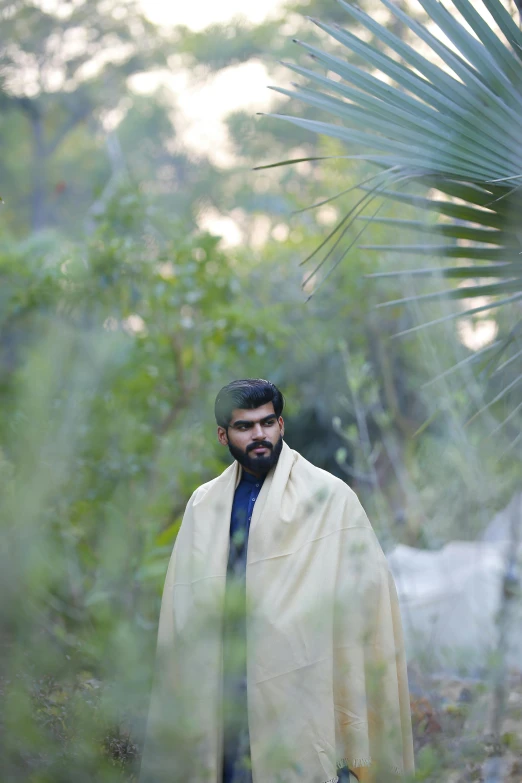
[
  {"x": 28, "y": 105},
  {"x": 183, "y": 399},
  {"x": 71, "y": 123},
  {"x": 364, "y": 478}
]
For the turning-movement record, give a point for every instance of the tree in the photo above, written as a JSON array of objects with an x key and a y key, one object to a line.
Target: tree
[{"x": 62, "y": 71}]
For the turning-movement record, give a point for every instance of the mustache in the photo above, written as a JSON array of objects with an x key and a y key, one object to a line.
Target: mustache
[{"x": 258, "y": 445}]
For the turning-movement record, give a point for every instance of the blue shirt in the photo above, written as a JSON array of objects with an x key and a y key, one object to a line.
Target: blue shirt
[
  {"x": 236, "y": 751},
  {"x": 245, "y": 497}
]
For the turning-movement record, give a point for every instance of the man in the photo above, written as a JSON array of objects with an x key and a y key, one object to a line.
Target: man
[{"x": 280, "y": 653}]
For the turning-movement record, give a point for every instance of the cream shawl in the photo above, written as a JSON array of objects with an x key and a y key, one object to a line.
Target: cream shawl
[{"x": 326, "y": 672}]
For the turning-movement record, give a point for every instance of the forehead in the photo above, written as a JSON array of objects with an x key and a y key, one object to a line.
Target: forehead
[{"x": 253, "y": 414}]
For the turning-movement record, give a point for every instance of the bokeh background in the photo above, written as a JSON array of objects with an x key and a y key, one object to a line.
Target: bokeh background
[{"x": 143, "y": 265}]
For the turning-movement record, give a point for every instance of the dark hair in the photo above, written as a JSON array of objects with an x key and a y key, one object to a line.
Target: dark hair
[{"x": 246, "y": 393}]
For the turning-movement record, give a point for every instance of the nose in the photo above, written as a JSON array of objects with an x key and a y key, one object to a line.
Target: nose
[{"x": 257, "y": 432}]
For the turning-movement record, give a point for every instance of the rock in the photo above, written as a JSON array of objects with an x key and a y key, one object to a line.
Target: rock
[{"x": 450, "y": 599}]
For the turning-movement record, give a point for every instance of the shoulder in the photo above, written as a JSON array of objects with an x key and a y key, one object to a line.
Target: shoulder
[
  {"x": 200, "y": 492},
  {"x": 215, "y": 485},
  {"x": 322, "y": 489}
]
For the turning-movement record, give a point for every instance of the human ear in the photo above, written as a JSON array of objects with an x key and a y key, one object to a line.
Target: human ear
[{"x": 222, "y": 436}]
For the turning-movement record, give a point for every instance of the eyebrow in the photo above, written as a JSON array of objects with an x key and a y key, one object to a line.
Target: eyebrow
[{"x": 259, "y": 421}]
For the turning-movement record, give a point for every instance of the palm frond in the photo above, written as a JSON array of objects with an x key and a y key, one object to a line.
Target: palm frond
[{"x": 444, "y": 117}]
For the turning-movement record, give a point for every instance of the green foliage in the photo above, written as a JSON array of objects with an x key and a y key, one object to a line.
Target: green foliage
[{"x": 112, "y": 351}]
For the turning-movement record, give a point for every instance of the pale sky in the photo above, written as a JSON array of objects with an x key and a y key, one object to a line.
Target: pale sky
[
  {"x": 198, "y": 14},
  {"x": 203, "y": 106}
]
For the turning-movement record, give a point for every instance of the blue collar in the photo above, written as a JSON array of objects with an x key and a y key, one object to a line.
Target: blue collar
[{"x": 249, "y": 478}]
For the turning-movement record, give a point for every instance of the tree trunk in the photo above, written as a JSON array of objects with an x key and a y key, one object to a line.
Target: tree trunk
[{"x": 38, "y": 210}]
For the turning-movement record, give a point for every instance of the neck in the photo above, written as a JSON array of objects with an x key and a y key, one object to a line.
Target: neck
[{"x": 257, "y": 475}]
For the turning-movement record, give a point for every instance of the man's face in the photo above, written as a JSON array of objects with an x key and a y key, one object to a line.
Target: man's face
[{"x": 254, "y": 437}]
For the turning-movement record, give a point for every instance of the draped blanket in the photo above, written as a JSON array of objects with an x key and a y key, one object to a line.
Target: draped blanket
[{"x": 326, "y": 672}]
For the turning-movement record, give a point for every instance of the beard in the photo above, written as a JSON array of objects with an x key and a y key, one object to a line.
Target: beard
[{"x": 252, "y": 461}]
